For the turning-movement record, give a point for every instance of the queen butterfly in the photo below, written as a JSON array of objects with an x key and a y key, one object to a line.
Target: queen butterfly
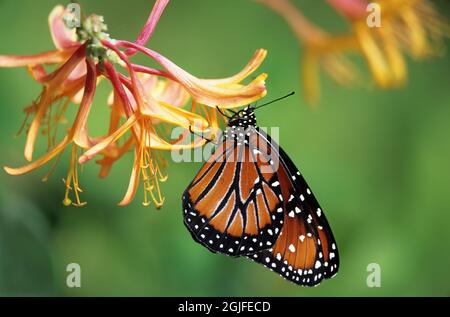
[{"x": 250, "y": 200}]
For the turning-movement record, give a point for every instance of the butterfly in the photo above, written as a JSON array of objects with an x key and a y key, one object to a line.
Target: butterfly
[{"x": 249, "y": 199}]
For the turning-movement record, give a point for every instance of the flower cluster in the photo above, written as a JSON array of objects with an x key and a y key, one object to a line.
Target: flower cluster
[
  {"x": 412, "y": 27},
  {"x": 144, "y": 102}
]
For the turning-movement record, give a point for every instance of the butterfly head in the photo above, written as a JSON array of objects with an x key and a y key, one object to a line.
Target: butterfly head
[
  {"x": 246, "y": 117},
  {"x": 243, "y": 118}
]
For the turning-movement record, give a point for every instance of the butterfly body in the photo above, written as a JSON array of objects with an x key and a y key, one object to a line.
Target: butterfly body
[
  {"x": 250, "y": 200},
  {"x": 244, "y": 118}
]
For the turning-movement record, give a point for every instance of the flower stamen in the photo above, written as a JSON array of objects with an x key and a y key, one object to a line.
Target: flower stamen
[
  {"x": 151, "y": 175},
  {"x": 72, "y": 182}
]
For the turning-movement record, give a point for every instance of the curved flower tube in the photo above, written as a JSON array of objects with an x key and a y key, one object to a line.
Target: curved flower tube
[{"x": 144, "y": 101}]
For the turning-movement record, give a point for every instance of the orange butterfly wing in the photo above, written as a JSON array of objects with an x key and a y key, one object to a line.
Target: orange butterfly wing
[
  {"x": 233, "y": 205},
  {"x": 305, "y": 251}
]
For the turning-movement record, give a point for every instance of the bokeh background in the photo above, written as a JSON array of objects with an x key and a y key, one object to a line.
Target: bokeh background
[{"x": 378, "y": 162}]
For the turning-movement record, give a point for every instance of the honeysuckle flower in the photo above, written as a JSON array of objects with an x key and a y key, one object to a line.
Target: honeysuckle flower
[
  {"x": 144, "y": 101},
  {"x": 63, "y": 38},
  {"x": 408, "y": 26},
  {"x": 413, "y": 27}
]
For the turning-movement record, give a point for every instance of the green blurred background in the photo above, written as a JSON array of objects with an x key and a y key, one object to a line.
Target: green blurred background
[{"x": 378, "y": 162}]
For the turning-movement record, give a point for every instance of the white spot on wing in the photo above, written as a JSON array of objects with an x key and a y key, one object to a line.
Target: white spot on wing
[
  {"x": 291, "y": 248},
  {"x": 319, "y": 212}
]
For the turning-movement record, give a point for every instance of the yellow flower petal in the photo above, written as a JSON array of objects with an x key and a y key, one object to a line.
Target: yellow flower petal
[
  {"x": 394, "y": 56},
  {"x": 249, "y": 69},
  {"x": 46, "y": 158},
  {"x": 374, "y": 55},
  {"x": 101, "y": 146},
  {"x": 310, "y": 76},
  {"x": 134, "y": 180},
  {"x": 79, "y": 128},
  {"x": 203, "y": 92},
  {"x": 176, "y": 116},
  {"x": 52, "y": 57},
  {"x": 50, "y": 90}
]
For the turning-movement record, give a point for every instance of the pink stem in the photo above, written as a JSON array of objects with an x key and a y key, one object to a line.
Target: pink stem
[
  {"x": 150, "y": 25},
  {"x": 134, "y": 80},
  {"x": 152, "y": 54},
  {"x": 152, "y": 71},
  {"x": 113, "y": 76},
  {"x": 138, "y": 47},
  {"x": 60, "y": 75},
  {"x": 126, "y": 81}
]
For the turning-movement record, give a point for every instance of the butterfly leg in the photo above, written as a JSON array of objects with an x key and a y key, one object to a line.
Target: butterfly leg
[
  {"x": 208, "y": 140},
  {"x": 224, "y": 114}
]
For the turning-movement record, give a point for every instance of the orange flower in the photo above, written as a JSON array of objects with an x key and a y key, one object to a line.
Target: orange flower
[
  {"x": 147, "y": 100},
  {"x": 413, "y": 27},
  {"x": 63, "y": 38},
  {"x": 408, "y": 26}
]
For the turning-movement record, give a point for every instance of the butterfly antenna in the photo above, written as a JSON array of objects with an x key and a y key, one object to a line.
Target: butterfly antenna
[{"x": 275, "y": 100}]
